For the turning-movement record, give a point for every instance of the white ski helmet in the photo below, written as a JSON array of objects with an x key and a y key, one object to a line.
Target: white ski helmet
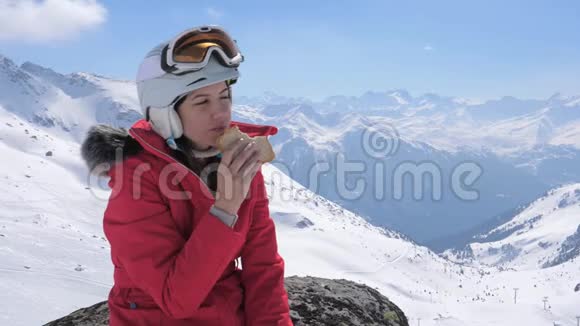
[{"x": 159, "y": 88}]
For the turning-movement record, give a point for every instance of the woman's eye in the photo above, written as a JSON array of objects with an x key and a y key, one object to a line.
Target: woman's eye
[{"x": 206, "y": 101}]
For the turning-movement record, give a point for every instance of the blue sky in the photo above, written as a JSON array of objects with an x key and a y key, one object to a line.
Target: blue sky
[{"x": 473, "y": 49}]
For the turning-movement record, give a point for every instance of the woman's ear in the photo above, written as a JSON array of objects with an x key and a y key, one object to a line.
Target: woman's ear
[{"x": 175, "y": 124}]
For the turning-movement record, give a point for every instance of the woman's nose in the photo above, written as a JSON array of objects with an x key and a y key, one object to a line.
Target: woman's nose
[{"x": 220, "y": 109}]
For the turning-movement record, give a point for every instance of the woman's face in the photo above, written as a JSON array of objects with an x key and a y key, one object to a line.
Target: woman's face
[{"x": 205, "y": 114}]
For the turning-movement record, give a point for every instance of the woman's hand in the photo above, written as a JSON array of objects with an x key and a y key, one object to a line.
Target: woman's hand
[{"x": 235, "y": 172}]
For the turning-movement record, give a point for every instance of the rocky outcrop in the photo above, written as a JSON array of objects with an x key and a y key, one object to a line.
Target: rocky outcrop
[
  {"x": 569, "y": 250},
  {"x": 313, "y": 301},
  {"x": 319, "y": 301}
]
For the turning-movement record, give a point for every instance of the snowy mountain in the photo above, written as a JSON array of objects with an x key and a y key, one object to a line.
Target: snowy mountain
[
  {"x": 308, "y": 139},
  {"x": 544, "y": 234},
  {"x": 534, "y": 144},
  {"x": 66, "y": 103},
  {"x": 506, "y": 125},
  {"x": 55, "y": 258}
]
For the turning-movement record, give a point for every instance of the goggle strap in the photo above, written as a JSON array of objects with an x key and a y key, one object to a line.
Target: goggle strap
[{"x": 164, "y": 65}]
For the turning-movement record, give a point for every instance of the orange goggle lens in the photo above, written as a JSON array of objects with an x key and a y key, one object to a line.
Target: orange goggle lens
[{"x": 193, "y": 47}]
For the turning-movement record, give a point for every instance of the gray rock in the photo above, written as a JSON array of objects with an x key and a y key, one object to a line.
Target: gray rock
[
  {"x": 569, "y": 250},
  {"x": 319, "y": 301},
  {"x": 95, "y": 315},
  {"x": 313, "y": 301}
]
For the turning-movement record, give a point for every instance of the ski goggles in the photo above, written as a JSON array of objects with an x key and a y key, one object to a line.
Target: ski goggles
[{"x": 190, "y": 51}]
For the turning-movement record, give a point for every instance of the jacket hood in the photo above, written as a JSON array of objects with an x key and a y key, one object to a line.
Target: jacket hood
[{"x": 105, "y": 145}]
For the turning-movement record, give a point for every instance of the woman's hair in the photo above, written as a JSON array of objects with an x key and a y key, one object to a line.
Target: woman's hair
[{"x": 184, "y": 155}]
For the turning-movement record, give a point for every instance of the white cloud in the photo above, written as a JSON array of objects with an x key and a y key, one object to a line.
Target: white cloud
[
  {"x": 214, "y": 13},
  {"x": 48, "y": 20},
  {"x": 428, "y": 48}
]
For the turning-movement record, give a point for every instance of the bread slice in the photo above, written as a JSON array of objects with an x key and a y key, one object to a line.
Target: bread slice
[{"x": 266, "y": 152}]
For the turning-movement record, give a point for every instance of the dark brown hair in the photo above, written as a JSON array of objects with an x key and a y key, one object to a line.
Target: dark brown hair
[{"x": 184, "y": 155}]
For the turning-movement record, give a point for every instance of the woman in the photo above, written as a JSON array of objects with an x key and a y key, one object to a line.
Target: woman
[{"x": 181, "y": 212}]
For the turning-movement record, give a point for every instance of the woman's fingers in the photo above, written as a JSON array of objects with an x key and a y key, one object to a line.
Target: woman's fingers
[
  {"x": 239, "y": 165},
  {"x": 229, "y": 154},
  {"x": 249, "y": 158},
  {"x": 256, "y": 169},
  {"x": 242, "y": 159},
  {"x": 248, "y": 168},
  {"x": 251, "y": 166}
]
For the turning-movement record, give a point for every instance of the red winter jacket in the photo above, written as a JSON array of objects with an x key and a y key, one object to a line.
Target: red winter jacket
[{"x": 174, "y": 261}]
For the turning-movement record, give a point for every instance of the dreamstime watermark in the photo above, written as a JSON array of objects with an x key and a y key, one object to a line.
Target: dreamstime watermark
[
  {"x": 380, "y": 141},
  {"x": 136, "y": 180},
  {"x": 375, "y": 174}
]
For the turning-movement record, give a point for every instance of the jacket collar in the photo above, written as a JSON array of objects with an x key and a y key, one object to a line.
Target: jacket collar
[{"x": 153, "y": 143}]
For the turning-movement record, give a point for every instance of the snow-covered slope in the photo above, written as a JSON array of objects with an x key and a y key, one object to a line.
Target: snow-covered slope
[
  {"x": 52, "y": 248},
  {"x": 544, "y": 234},
  {"x": 54, "y": 257}
]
